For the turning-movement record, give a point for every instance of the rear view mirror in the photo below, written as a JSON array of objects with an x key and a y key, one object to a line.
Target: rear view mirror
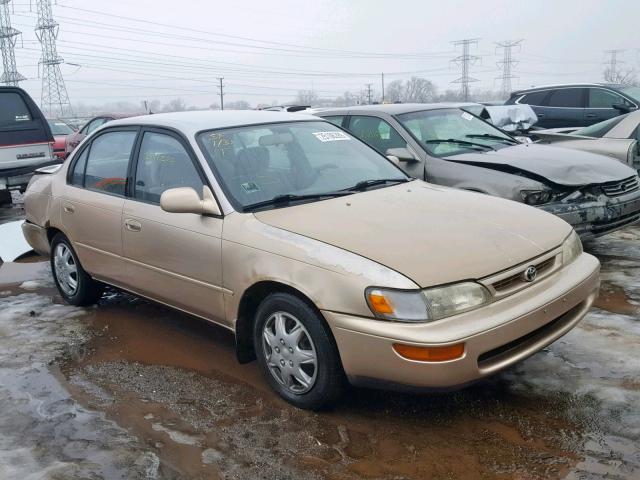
[
  {"x": 402, "y": 154},
  {"x": 187, "y": 200}
]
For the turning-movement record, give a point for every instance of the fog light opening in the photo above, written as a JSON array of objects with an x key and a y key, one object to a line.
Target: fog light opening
[{"x": 430, "y": 354}]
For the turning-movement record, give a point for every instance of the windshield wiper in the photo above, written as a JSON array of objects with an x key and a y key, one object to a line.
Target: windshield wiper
[
  {"x": 364, "y": 184},
  {"x": 493, "y": 137},
  {"x": 288, "y": 198},
  {"x": 464, "y": 143}
]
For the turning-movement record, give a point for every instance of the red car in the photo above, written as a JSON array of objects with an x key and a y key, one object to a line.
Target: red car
[
  {"x": 61, "y": 132},
  {"x": 74, "y": 140}
]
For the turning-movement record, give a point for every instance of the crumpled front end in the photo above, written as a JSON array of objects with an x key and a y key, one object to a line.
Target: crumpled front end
[{"x": 595, "y": 210}]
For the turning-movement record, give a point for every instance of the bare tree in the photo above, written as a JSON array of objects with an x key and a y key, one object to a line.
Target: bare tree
[
  {"x": 416, "y": 89},
  {"x": 306, "y": 97},
  {"x": 627, "y": 77},
  {"x": 175, "y": 105}
]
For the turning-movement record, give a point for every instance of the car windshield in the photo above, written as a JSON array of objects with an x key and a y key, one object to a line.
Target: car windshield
[
  {"x": 599, "y": 129},
  {"x": 260, "y": 163},
  {"x": 633, "y": 92},
  {"x": 446, "y": 132},
  {"x": 60, "y": 128}
]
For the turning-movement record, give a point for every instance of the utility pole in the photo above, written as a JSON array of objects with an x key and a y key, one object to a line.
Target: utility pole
[
  {"x": 382, "y": 85},
  {"x": 221, "y": 87},
  {"x": 8, "y": 39},
  {"x": 507, "y": 64},
  {"x": 368, "y": 85},
  {"x": 54, "y": 92},
  {"x": 611, "y": 72},
  {"x": 465, "y": 61}
]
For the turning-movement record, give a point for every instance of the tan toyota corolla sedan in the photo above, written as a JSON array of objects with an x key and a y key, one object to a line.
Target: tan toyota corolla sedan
[{"x": 326, "y": 261}]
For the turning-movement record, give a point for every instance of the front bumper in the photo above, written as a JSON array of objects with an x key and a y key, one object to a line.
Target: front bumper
[
  {"x": 597, "y": 217},
  {"x": 496, "y": 336}
]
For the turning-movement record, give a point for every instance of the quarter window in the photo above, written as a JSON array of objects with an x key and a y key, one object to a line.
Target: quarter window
[
  {"x": 108, "y": 161},
  {"x": 376, "y": 132},
  {"x": 600, "y": 98},
  {"x": 567, "y": 98},
  {"x": 335, "y": 119},
  {"x": 77, "y": 177},
  {"x": 163, "y": 163}
]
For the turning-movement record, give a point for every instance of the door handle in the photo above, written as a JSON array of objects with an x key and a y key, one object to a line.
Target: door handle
[
  {"x": 591, "y": 115},
  {"x": 69, "y": 208},
  {"x": 132, "y": 225},
  {"x": 540, "y": 114}
]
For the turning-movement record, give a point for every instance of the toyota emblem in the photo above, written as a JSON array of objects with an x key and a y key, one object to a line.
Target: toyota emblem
[{"x": 530, "y": 274}]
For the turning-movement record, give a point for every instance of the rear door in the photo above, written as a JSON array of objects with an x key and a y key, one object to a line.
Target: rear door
[
  {"x": 600, "y": 105},
  {"x": 93, "y": 200},
  {"x": 563, "y": 107},
  {"x": 25, "y": 137}
]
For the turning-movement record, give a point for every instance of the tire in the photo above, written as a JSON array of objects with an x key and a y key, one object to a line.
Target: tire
[
  {"x": 86, "y": 290},
  {"x": 325, "y": 380},
  {"x": 5, "y": 197}
]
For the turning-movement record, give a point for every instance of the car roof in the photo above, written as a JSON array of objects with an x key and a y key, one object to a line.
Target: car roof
[
  {"x": 196, "y": 121},
  {"x": 566, "y": 85},
  {"x": 396, "y": 108}
]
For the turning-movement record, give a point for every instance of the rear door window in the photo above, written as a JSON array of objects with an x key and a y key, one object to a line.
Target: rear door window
[
  {"x": 567, "y": 98},
  {"x": 13, "y": 111},
  {"x": 108, "y": 162}
]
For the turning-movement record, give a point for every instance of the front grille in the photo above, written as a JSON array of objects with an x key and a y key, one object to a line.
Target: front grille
[
  {"x": 516, "y": 279},
  {"x": 628, "y": 185}
]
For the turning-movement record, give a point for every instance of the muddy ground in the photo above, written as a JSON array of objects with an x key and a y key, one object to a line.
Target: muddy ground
[{"x": 130, "y": 389}]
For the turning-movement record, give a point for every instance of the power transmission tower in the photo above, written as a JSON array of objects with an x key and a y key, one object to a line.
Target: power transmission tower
[
  {"x": 8, "y": 38},
  {"x": 221, "y": 87},
  {"x": 611, "y": 72},
  {"x": 368, "y": 85},
  {"x": 507, "y": 64},
  {"x": 54, "y": 92},
  {"x": 465, "y": 61}
]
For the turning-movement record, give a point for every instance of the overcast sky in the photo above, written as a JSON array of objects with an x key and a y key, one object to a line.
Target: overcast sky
[{"x": 267, "y": 51}]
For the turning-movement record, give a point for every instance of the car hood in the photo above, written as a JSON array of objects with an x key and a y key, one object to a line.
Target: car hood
[
  {"x": 432, "y": 235},
  {"x": 558, "y": 165}
]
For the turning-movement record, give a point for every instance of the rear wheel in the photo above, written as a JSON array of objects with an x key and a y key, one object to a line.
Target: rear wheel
[
  {"x": 74, "y": 284},
  {"x": 297, "y": 353}
]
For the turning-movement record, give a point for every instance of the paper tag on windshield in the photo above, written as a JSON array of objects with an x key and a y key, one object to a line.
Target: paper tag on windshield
[
  {"x": 331, "y": 136},
  {"x": 467, "y": 116}
]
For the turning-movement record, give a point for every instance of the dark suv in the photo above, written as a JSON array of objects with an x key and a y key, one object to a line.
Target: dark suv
[
  {"x": 577, "y": 105},
  {"x": 25, "y": 141}
]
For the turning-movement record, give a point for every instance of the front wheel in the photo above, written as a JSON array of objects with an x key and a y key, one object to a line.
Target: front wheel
[
  {"x": 74, "y": 284},
  {"x": 297, "y": 353}
]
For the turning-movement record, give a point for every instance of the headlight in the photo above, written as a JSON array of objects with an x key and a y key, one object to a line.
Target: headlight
[
  {"x": 571, "y": 248},
  {"x": 426, "y": 305},
  {"x": 536, "y": 197}
]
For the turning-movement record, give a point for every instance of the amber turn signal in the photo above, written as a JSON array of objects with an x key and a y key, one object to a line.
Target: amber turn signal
[
  {"x": 430, "y": 354},
  {"x": 379, "y": 303}
]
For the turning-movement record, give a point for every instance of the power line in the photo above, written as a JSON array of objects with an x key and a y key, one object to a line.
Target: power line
[
  {"x": 8, "y": 37},
  {"x": 465, "y": 61},
  {"x": 54, "y": 97},
  {"x": 507, "y": 64}
]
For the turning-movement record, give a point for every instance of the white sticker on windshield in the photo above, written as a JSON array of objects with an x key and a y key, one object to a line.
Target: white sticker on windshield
[
  {"x": 331, "y": 136},
  {"x": 467, "y": 116}
]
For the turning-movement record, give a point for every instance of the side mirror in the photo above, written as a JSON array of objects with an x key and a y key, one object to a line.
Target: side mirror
[
  {"x": 402, "y": 154},
  {"x": 394, "y": 159},
  {"x": 187, "y": 200},
  {"x": 623, "y": 107}
]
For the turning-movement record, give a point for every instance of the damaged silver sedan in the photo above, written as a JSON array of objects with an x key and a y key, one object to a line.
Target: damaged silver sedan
[{"x": 448, "y": 146}]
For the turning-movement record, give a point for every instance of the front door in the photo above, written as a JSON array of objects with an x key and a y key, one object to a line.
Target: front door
[{"x": 174, "y": 258}]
